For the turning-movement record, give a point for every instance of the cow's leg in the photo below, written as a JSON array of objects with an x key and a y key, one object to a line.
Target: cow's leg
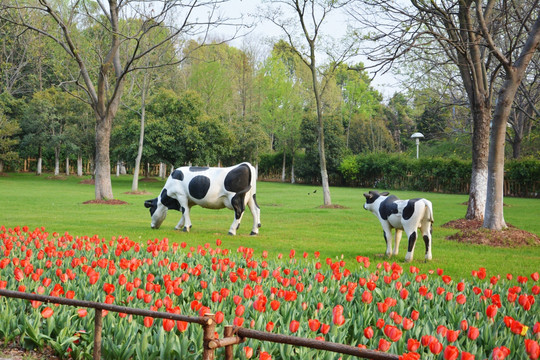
[
  {"x": 180, "y": 224},
  {"x": 411, "y": 235},
  {"x": 387, "y": 233},
  {"x": 427, "y": 230},
  {"x": 397, "y": 239},
  {"x": 256, "y": 212},
  {"x": 187, "y": 220},
  {"x": 238, "y": 205}
]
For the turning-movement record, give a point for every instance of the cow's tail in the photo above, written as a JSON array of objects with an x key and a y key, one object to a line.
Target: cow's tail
[
  {"x": 254, "y": 175},
  {"x": 430, "y": 210}
]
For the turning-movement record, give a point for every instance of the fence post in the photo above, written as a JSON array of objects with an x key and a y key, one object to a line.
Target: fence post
[
  {"x": 209, "y": 329},
  {"x": 229, "y": 349},
  {"x": 98, "y": 325}
]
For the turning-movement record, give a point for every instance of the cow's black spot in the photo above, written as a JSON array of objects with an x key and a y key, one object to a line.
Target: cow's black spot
[
  {"x": 238, "y": 179},
  {"x": 385, "y": 239},
  {"x": 169, "y": 202},
  {"x": 238, "y": 204},
  {"x": 388, "y": 207},
  {"x": 177, "y": 175},
  {"x": 412, "y": 241},
  {"x": 408, "y": 211},
  {"x": 198, "y": 168},
  {"x": 198, "y": 186},
  {"x": 426, "y": 241},
  {"x": 152, "y": 205}
]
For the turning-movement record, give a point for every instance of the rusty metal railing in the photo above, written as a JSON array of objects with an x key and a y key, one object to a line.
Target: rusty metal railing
[{"x": 233, "y": 335}]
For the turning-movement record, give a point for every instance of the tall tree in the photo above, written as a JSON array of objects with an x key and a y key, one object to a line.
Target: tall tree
[
  {"x": 451, "y": 31},
  {"x": 118, "y": 53},
  {"x": 303, "y": 27},
  {"x": 522, "y": 49}
]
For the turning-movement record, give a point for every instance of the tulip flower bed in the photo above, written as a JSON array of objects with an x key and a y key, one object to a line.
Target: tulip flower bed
[{"x": 383, "y": 306}]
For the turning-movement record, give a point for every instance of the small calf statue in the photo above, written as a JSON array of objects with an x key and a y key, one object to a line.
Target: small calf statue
[
  {"x": 408, "y": 215},
  {"x": 210, "y": 187}
]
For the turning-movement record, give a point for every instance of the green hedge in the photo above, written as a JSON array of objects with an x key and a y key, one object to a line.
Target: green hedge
[{"x": 449, "y": 175}]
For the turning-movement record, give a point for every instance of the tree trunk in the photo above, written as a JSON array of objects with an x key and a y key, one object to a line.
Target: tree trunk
[
  {"x": 162, "y": 170},
  {"x": 1, "y": 166},
  {"x": 322, "y": 153},
  {"x": 67, "y": 165},
  {"x": 516, "y": 147},
  {"x": 118, "y": 164},
  {"x": 102, "y": 161},
  {"x": 494, "y": 218},
  {"x": 56, "y": 161},
  {"x": 480, "y": 151},
  {"x": 79, "y": 165},
  {"x": 293, "y": 180},
  {"x": 39, "y": 162},
  {"x": 135, "y": 182},
  {"x": 283, "y": 166}
]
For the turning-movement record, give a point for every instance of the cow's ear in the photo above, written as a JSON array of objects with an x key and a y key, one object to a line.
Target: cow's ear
[
  {"x": 148, "y": 203},
  {"x": 368, "y": 196},
  {"x": 386, "y": 193}
]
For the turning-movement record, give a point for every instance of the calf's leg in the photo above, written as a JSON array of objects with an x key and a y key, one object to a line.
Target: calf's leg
[
  {"x": 387, "y": 233},
  {"x": 427, "y": 230},
  {"x": 256, "y": 212},
  {"x": 397, "y": 239},
  {"x": 411, "y": 235}
]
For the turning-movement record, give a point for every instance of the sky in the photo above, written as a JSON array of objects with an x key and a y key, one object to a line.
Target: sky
[{"x": 263, "y": 31}]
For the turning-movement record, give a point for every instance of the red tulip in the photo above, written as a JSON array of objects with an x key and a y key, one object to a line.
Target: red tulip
[
  {"x": 220, "y": 316},
  {"x": 435, "y": 347},
  {"x": 368, "y": 332},
  {"x": 532, "y": 349},
  {"x": 452, "y": 335},
  {"x": 491, "y": 311},
  {"x": 82, "y": 312},
  {"x": 367, "y": 297},
  {"x": 407, "y": 324},
  {"x": 294, "y": 325},
  {"x": 148, "y": 321},
  {"x": 467, "y": 356},
  {"x": 265, "y": 356},
  {"x": 325, "y": 328},
  {"x": 182, "y": 325},
  {"x": 450, "y": 353},
  {"x": 473, "y": 333},
  {"x": 270, "y": 326},
  {"x": 413, "y": 344},
  {"x": 314, "y": 324},
  {"x": 393, "y": 333},
  {"x": 500, "y": 353},
  {"x": 168, "y": 324},
  {"x": 248, "y": 352},
  {"x": 384, "y": 345},
  {"x": 47, "y": 312}
]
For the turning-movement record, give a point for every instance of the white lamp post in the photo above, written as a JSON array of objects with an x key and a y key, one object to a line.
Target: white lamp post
[{"x": 417, "y": 136}]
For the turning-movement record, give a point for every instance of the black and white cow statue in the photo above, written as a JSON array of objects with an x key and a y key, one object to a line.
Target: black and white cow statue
[
  {"x": 210, "y": 187},
  {"x": 408, "y": 215}
]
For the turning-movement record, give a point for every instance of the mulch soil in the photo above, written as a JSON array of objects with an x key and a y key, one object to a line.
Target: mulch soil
[
  {"x": 106, "y": 202},
  {"x": 472, "y": 232}
]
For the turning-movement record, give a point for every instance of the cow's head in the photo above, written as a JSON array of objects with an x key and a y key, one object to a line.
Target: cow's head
[
  {"x": 158, "y": 212},
  {"x": 159, "y": 206},
  {"x": 371, "y": 197}
]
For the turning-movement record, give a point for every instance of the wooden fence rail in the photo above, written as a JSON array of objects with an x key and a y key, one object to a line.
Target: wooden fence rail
[{"x": 232, "y": 335}]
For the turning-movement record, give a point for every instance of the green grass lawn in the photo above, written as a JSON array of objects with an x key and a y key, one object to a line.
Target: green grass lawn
[{"x": 290, "y": 216}]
